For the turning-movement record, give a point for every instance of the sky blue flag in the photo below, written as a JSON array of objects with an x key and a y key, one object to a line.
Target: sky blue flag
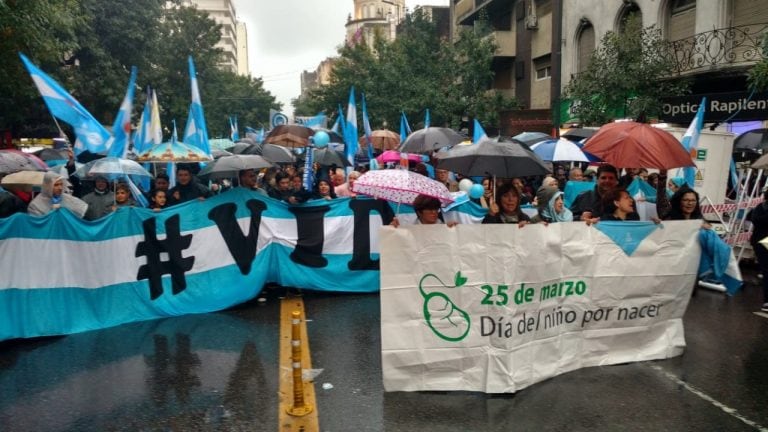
[
  {"x": 196, "y": 132},
  {"x": 91, "y": 135},
  {"x": 340, "y": 120},
  {"x": 350, "y": 129},
  {"x": 690, "y": 141},
  {"x": 426, "y": 119},
  {"x": 405, "y": 129},
  {"x": 367, "y": 129},
  {"x": 479, "y": 132},
  {"x": 734, "y": 175},
  {"x": 121, "y": 130},
  {"x": 234, "y": 134},
  {"x": 141, "y": 140},
  {"x": 308, "y": 180}
]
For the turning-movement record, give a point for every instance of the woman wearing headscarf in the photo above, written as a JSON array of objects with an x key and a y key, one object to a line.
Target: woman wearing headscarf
[
  {"x": 53, "y": 197},
  {"x": 550, "y": 206}
]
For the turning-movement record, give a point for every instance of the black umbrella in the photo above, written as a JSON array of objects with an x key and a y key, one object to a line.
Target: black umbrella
[
  {"x": 755, "y": 139},
  {"x": 328, "y": 157},
  {"x": 230, "y": 166},
  {"x": 531, "y": 138},
  {"x": 430, "y": 139},
  {"x": 491, "y": 157},
  {"x": 578, "y": 134}
]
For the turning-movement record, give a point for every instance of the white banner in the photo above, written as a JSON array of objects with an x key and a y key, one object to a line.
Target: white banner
[{"x": 496, "y": 308}]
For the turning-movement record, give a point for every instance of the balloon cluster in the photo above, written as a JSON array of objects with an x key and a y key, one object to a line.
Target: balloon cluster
[{"x": 475, "y": 191}]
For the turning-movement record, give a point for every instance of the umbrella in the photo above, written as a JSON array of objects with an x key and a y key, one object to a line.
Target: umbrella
[
  {"x": 216, "y": 153},
  {"x": 328, "y": 157},
  {"x": 289, "y": 135},
  {"x": 638, "y": 145},
  {"x": 240, "y": 147},
  {"x": 400, "y": 186},
  {"x": 531, "y": 138},
  {"x": 590, "y": 156},
  {"x": 220, "y": 144},
  {"x": 335, "y": 137},
  {"x": 430, "y": 139},
  {"x": 382, "y": 139},
  {"x": 394, "y": 156},
  {"x": 491, "y": 157},
  {"x": 559, "y": 150},
  {"x": 113, "y": 169},
  {"x": 173, "y": 151},
  {"x": 755, "y": 139},
  {"x": 578, "y": 134},
  {"x": 230, "y": 166},
  {"x": 53, "y": 157},
  {"x": 15, "y": 160},
  {"x": 271, "y": 152},
  {"x": 23, "y": 180}
]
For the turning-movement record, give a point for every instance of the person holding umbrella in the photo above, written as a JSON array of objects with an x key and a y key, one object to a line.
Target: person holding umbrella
[
  {"x": 100, "y": 200},
  {"x": 427, "y": 210},
  {"x": 506, "y": 207}
]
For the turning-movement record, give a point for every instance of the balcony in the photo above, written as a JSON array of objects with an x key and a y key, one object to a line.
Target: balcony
[
  {"x": 719, "y": 49},
  {"x": 506, "y": 42}
]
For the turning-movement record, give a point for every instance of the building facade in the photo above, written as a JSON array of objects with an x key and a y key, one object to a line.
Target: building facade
[
  {"x": 374, "y": 17},
  {"x": 544, "y": 43},
  {"x": 233, "y": 40}
]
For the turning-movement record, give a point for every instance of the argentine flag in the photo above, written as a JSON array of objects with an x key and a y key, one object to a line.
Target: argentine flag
[
  {"x": 350, "y": 130},
  {"x": 121, "y": 130},
  {"x": 690, "y": 141},
  {"x": 196, "y": 132},
  {"x": 367, "y": 129},
  {"x": 91, "y": 135}
]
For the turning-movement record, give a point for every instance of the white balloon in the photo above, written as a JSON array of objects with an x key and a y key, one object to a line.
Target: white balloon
[{"x": 465, "y": 185}]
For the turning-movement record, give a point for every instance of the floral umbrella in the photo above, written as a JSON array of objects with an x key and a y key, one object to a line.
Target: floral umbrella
[
  {"x": 400, "y": 186},
  {"x": 174, "y": 151}
]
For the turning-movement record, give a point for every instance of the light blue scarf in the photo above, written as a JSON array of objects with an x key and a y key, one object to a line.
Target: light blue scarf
[{"x": 551, "y": 214}]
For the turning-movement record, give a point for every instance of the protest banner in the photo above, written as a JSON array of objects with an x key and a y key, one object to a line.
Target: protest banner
[{"x": 498, "y": 308}]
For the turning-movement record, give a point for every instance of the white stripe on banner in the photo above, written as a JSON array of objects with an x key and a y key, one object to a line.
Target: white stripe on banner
[{"x": 208, "y": 248}]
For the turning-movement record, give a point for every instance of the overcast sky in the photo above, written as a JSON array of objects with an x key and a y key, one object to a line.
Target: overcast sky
[{"x": 289, "y": 36}]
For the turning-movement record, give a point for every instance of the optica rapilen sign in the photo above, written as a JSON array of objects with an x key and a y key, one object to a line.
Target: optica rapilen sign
[{"x": 720, "y": 106}]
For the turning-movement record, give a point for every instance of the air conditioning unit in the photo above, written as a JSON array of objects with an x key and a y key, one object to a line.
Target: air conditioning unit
[{"x": 531, "y": 22}]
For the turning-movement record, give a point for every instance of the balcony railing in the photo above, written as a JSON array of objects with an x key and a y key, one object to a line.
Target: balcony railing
[{"x": 719, "y": 48}]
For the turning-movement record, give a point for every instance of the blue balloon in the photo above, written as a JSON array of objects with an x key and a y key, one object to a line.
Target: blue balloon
[
  {"x": 476, "y": 191},
  {"x": 321, "y": 139}
]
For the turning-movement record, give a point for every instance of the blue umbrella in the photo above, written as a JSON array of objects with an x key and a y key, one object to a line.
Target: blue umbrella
[{"x": 559, "y": 150}]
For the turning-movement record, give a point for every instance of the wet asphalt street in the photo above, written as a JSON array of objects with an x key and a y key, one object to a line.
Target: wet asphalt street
[{"x": 219, "y": 372}]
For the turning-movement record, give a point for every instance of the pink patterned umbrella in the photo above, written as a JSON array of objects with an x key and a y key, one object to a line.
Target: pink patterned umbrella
[
  {"x": 394, "y": 156},
  {"x": 400, "y": 186}
]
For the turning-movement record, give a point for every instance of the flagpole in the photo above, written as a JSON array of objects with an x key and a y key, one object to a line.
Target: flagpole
[{"x": 61, "y": 132}]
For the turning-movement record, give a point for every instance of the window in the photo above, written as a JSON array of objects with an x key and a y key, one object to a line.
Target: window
[
  {"x": 679, "y": 6},
  {"x": 543, "y": 67}
]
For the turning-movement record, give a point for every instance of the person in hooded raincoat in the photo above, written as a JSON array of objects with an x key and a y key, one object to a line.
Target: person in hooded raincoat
[{"x": 52, "y": 197}]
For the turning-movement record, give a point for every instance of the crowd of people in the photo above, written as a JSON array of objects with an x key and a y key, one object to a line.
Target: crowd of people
[{"x": 607, "y": 196}]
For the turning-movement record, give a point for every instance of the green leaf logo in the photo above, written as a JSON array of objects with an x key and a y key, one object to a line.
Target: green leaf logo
[{"x": 447, "y": 321}]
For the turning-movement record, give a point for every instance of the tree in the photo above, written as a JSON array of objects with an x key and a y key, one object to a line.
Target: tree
[
  {"x": 758, "y": 76},
  {"x": 628, "y": 75},
  {"x": 415, "y": 72},
  {"x": 43, "y": 30},
  {"x": 89, "y": 46}
]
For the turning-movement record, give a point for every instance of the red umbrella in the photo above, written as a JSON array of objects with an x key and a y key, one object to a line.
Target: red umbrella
[{"x": 637, "y": 145}]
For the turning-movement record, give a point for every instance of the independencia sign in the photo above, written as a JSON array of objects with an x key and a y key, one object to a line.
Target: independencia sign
[
  {"x": 720, "y": 106},
  {"x": 497, "y": 308}
]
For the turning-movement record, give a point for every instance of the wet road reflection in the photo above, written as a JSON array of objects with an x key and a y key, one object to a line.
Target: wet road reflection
[{"x": 200, "y": 372}]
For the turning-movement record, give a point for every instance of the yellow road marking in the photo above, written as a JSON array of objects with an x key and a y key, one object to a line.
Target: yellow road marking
[{"x": 287, "y": 422}]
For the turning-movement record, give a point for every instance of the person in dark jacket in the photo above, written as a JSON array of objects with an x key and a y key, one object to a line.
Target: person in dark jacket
[
  {"x": 618, "y": 205},
  {"x": 506, "y": 207},
  {"x": 10, "y": 204},
  {"x": 759, "y": 218},
  {"x": 187, "y": 188}
]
